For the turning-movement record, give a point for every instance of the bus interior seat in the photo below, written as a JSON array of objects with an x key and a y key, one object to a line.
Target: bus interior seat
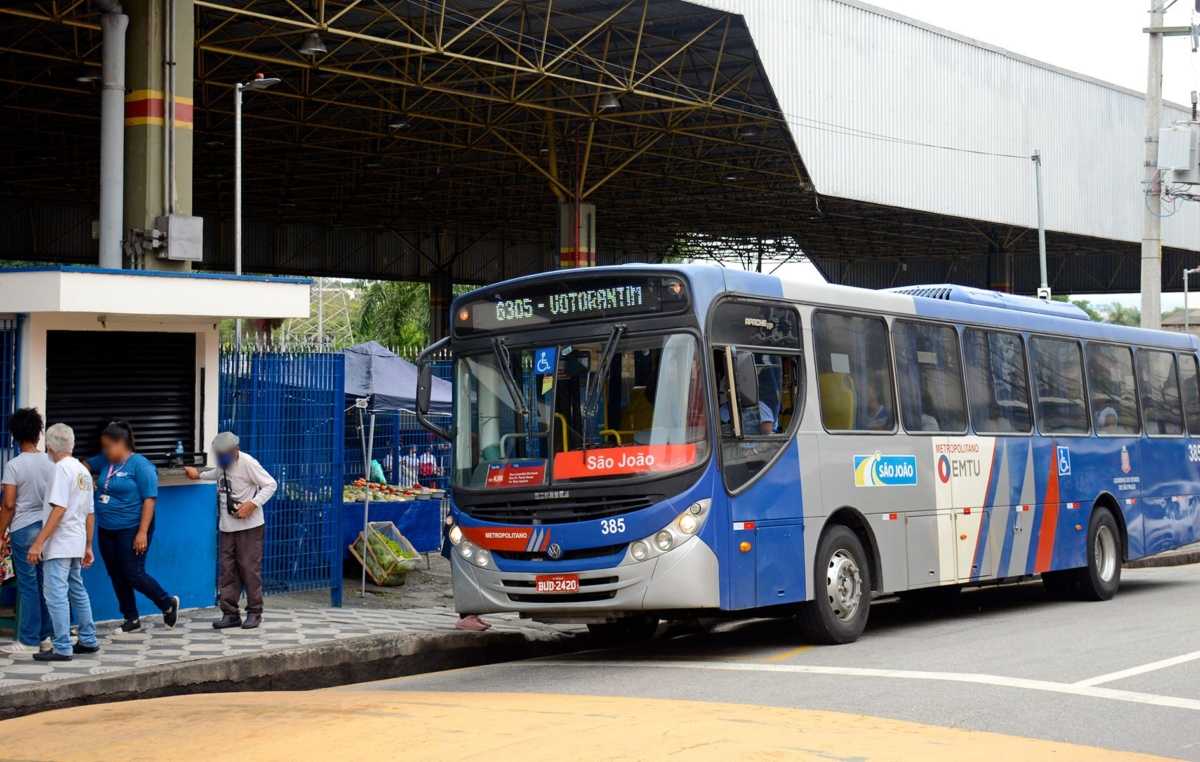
[
  {"x": 838, "y": 401},
  {"x": 638, "y": 412}
]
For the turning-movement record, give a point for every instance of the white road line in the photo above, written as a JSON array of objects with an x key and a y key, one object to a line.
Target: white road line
[
  {"x": 1087, "y": 691},
  {"x": 1132, "y": 671}
]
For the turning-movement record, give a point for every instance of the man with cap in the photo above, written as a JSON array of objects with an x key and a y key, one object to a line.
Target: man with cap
[{"x": 243, "y": 487}]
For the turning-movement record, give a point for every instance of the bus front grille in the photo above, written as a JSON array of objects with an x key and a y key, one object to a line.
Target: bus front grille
[
  {"x": 567, "y": 555},
  {"x": 589, "y": 597},
  {"x": 560, "y": 511}
]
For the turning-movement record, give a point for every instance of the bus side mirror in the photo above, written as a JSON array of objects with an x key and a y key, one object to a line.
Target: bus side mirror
[
  {"x": 747, "y": 380},
  {"x": 425, "y": 390}
]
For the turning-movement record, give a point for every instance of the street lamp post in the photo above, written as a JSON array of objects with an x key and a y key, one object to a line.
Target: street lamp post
[{"x": 258, "y": 83}]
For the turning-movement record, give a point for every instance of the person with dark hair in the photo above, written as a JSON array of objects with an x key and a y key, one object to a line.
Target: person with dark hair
[
  {"x": 26, "y": 479},
  {"x": 126, "y": 490}
]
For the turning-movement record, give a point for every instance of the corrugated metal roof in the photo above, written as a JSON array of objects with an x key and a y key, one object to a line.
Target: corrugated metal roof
[{"x": 847, "y": 73}]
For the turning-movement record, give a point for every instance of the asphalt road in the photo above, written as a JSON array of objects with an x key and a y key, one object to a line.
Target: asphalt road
[{"x": 1123, "y": 675}]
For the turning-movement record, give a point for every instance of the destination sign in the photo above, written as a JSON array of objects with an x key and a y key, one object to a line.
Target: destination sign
[{"x": 570, "y": 300}]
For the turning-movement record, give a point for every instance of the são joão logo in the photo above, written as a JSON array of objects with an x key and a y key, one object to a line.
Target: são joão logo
[{"x": 881, "y": 470}]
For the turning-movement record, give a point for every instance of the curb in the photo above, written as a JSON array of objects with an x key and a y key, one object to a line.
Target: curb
[
  {"x": 324, "y": 665},
  {"x": 1178, "y": 558}
]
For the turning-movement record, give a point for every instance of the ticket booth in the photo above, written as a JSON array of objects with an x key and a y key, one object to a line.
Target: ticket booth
[{"x": 93, "y": 346}]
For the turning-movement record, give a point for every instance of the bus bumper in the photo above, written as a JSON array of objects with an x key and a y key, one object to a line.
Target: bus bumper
[{"x": 685, "y": 577}]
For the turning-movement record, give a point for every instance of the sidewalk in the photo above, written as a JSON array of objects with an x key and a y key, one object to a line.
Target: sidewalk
[
  {"x": 1188, "y": 554},
  {"x": 303, "y": 643}
]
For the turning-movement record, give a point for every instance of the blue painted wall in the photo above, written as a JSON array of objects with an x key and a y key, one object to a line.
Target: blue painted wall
[{"x": 183, "y": 553}]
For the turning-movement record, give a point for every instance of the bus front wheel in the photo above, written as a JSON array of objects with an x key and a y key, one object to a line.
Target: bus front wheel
[
  {"x": 841, "y": 590},
  {"x": 1099, "y": 580}
]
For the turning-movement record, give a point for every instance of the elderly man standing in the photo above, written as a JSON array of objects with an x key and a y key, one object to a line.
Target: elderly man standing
[
  {"x": 243, "y": 487},
  {"x": 64, "y": 547}
]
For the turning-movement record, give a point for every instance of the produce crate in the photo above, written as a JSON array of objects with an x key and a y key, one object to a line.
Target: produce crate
[{"x": 389, "y": 556}]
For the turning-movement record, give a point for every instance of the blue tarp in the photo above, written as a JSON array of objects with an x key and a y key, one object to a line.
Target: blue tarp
[
  {"x": 389, "y": 381},
  {"x": 418, "y": 520}
]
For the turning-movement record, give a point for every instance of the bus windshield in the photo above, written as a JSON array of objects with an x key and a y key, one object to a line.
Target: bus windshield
[{"x": 616, "y": 407}]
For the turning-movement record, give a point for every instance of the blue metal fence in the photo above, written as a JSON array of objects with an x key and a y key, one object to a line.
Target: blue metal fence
[
  {"x": 10, "y": 353},
  {"x": 287, "y": 408}
]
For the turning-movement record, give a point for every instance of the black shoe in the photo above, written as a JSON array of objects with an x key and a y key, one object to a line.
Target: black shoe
[
  {"x": 171, "y": 615},
  {"x": 82, "y": 649},
  {"x": 128, "y": 626},
  {"x": 252, "y": 621},
  {"x": 227, "y": 621},
  {"x": 51, "y": 655}
]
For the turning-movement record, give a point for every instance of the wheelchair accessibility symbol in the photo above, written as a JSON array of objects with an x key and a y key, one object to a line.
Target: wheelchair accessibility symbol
[
  {"x": 543, "y": 360},
  {"x": 1064, "y": 461}
]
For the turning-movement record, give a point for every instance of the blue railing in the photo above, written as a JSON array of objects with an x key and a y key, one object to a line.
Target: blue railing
[
  {"x": 287, "y": 408},
  {"x": 10, "y": 353}
]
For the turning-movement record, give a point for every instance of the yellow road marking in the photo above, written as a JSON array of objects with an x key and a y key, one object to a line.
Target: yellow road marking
[
  {"x": 498, "y": 727},
  {"x": 788, "y": 654}
]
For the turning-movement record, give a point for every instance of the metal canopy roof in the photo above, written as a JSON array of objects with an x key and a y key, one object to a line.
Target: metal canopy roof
[{"x": 441, "y": 136}]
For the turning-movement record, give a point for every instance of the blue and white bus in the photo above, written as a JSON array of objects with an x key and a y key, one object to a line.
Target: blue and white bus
[{"x": 645, "y": 442}]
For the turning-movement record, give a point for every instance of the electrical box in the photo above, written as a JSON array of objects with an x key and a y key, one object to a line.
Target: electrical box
[
  {"x": 185, "y": 238},
  {"x": 1179, "y": 153}
]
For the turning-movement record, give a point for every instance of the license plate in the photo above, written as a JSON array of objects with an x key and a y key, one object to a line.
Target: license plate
[{"x": 557, "y": 583}]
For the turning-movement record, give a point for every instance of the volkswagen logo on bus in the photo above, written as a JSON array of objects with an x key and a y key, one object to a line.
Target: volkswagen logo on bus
[{"x": 554, "y": 551}]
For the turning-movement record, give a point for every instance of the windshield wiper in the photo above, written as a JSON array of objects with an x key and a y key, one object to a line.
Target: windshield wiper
[
  {"x": 596, "y": 382},
  {"x": 504, "y": 360}
]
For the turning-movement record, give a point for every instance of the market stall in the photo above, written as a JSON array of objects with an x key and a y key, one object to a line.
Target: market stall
[{"x": 379, "y": 381}]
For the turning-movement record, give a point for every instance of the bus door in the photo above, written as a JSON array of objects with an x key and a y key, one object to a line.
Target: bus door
[{"x": 759, "y": 403}]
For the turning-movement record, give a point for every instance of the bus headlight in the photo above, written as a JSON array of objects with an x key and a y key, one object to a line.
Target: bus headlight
[
  {"x": 456, "y": 535},
  {"x": 683, "y": 528},
  {"x": 639, "y": 550},
  {"x": 466, "y": 549},
  {"x": 483, "y": 558}
]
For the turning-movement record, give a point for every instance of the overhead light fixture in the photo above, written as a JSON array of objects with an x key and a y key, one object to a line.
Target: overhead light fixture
[
  {"x": 260, "y": 82},
  {"x": 749, "y": 132},
  {"x": 373, "y": 163},
  {"x": 312, "y": 45},
  {"x": 87, "y": 74},
  {"x": 214, "y": 142},
  {"x": 399, "y": 123},
  {"x": 608, "y": 101}
]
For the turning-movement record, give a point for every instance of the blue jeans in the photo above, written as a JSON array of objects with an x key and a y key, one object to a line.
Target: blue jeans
[
  {"x": 64, "y": 591},
  {"x": 35, "y": 620},
  {"x": 127, "y": 570}
]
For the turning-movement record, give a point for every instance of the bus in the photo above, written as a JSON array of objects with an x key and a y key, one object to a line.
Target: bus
[{"x": 637, "y": 443}]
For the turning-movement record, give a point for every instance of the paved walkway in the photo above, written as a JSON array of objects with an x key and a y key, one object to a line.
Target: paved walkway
[{"x": 284, "y": 627}]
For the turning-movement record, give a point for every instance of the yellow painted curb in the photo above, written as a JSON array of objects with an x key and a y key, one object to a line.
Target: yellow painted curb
[{"x": 498, "y": 727}]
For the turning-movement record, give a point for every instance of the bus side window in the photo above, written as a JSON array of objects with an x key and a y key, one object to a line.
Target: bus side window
[
  {"x": 997, "y": 385},
  {"x": 930, "y": 378},
  {"x": 1190, "y": 381},
  {"x": 1113, "y": 389},
  {"x": 854, "y": 373},
  {"x": 1058, "y": 386},
  {"x": 1160, "y": 393}
]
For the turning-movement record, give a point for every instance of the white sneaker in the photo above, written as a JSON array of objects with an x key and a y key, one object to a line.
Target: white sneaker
[
  {"x": 46, "y": 644},
  {"x": 17, "y": 647}
]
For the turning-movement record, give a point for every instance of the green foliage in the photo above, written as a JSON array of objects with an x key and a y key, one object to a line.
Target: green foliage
[
  {"x": 1120, "y": 315},
  {"x": 394, "y": 313},
  {"x": 1082, "y": 304}
]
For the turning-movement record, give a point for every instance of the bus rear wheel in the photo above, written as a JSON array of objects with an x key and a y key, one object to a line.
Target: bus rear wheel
[
  {"x": 630, "y": 632},
  {"x": 1102, "y": 576},
  {"x": 841, "y": 590}
]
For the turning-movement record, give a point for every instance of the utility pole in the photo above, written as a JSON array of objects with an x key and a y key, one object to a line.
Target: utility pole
[{"x": 1151, "y": 219}]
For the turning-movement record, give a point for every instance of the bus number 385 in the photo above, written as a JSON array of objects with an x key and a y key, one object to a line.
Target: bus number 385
[{"x": 612, "y": 526}]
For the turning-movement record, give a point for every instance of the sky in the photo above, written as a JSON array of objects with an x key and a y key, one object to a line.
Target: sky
[{"x": 1100, "y": 38}]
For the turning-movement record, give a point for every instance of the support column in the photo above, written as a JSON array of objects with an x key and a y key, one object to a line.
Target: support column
[
  {"x": 441, "y": 294},
  {"x": 158, "y": 141},
  {"x": 1000, "y": 269},
  {"x": 576, "y": 235}
]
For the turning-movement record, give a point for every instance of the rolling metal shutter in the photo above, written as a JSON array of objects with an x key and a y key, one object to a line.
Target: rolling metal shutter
[{"x": 148, "y": 379}]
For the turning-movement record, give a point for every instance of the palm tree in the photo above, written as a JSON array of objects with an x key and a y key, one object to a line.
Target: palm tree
[{"x": 394, "y": 313}]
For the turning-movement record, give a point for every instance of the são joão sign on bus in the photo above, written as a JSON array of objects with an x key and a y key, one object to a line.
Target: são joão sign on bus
[
  {"x": 569, "y": 299},
  {"x": 617, "y": 461}
]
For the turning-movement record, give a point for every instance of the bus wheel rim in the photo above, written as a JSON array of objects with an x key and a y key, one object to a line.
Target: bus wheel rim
[
  {"x": 1106, "y": 553},
  {"x": 843, "y": 585}
]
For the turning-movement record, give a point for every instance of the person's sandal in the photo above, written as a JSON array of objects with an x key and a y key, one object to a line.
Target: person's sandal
[{"x": 473, "y": 623}]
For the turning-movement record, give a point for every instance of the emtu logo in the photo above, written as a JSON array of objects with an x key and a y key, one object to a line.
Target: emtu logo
[{"x": 944, "y": 469}]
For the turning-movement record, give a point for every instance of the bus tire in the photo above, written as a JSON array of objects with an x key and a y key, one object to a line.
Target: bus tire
[
  {"x": 1102, "y": 576},
  {"x": 841, "y": 590},
  {"x": 630, "y": 632}
]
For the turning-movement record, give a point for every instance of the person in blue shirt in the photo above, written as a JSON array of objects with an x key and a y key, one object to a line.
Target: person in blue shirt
[{"x": 126, "y": 489}]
